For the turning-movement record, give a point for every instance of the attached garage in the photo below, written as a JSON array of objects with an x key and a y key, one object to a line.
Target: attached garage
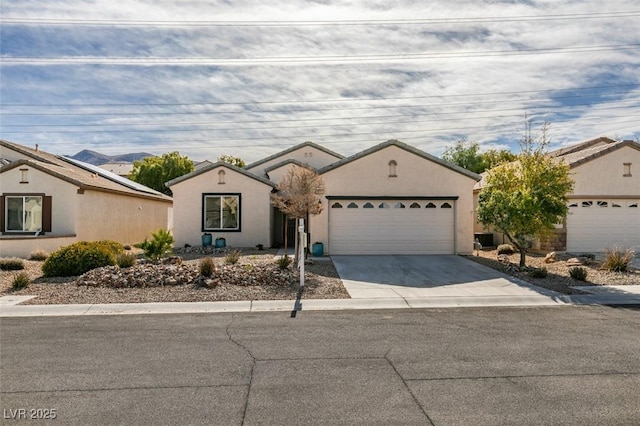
[
  {"x": 598, "y": 224},
  {"x": 388, "y": 225}
]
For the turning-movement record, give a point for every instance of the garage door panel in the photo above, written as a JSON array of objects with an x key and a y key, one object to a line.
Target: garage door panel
[
  {"x": 391, "y": 230},
  {"x": 596, "y": 225}
]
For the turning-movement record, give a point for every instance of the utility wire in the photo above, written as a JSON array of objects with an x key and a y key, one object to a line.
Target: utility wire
[
  {"x": 303, "y": 23},
  {"x": 385, "y": 99},
  {"x": 325, "y": 59},
  {"x": 467, "y": 116}
]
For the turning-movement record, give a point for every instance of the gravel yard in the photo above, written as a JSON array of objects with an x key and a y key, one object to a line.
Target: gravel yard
[
  {"x": 256, "y": 277},
  {"x": 321, "y": 282},
  {"x": 558, "y": 278}
]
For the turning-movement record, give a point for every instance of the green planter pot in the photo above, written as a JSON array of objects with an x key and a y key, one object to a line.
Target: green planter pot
[{"x": 317, "y": 249}]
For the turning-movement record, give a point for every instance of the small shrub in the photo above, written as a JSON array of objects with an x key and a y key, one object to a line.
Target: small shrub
[
  {"x": 232, "y": 257},
  {"x": 207, "y": 267},
  {"x": 506, "y": 249},
  {"x": 617, "y": 259},
  {"x": 578, "y": 273},
  {"x": 11, "y": 264},
  {"x": 38, "y": 255},
  {"x": 126, "y": 260},
  {"x": 284, "y": 262},
  {"x": 160, "y": 245},
  {"x": 80, "y": 257},
  {"x": 20, "y": 281},
  {"x": 538, "y": 272}
]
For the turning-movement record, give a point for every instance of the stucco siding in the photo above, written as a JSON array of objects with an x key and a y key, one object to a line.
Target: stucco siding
[
  {"x": 128, "y": 220},
  {"x": 255, "y": 208},
  {"x": 416, "y": 176},
  {"x": 63, "y": 203},
  {"x": 604, "y": 175}
]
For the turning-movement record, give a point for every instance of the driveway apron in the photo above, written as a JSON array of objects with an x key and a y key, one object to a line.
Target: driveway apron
[{"x": 428, "y": 276}]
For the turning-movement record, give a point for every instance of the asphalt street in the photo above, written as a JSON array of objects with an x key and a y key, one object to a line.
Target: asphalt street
[{"x": 472, "y": 366}]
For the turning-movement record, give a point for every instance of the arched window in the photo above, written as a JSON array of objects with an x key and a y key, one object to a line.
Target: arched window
[
  {"x": 414, "y": 206},
  {"x": 367, "y": 206},
  {"x": 336, "y": 206},
  {"x": 392, "y": 168},
  {"x": 383, "y": 206},
  {"x": 352, "y": 206},
  {"x": 399, "y": 206},
  {"x": 430, "y": 206},
  {"x": 445, "y": 206},
  {"x": 221, "y": 177}
]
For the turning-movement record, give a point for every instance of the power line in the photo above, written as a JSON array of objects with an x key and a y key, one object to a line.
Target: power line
[
  {"x": 301, "y": 23},
  {"x": 326, "y": 59},
  {"x": 556, "y": 110},
  {"x": 113, "y": 131},
  {"x": 385, "y": 99}
]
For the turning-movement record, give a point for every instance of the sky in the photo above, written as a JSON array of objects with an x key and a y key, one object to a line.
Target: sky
[{"x": 252, "y": 77}]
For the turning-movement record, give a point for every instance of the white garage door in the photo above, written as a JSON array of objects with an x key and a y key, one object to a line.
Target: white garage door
[
  {"x": 595, "y": 225},
  {"x": 391, "y": 226}
]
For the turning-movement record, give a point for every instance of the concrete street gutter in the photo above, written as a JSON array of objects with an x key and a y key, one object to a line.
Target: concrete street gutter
[{"x": 13, "y": 310}]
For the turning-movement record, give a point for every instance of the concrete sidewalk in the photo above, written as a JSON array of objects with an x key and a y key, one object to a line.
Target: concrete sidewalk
[{"x": 603, "y": 298}]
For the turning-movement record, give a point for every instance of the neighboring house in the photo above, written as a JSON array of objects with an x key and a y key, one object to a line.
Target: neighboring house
[
  {"x": 389, "y": 199},
  {"x": 47, "y": 201},
  {"x": 120, "y": 168},
  {"x": 604, "y": 207}
]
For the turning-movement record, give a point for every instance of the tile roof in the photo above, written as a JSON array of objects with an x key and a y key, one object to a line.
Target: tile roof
[
  {"x": 208, "y": 167},
  {"x": 293, "y": 148},
  {"x": 85, "y": 176}
]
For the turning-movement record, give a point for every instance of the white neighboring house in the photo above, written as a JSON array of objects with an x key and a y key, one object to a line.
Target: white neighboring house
[
  {"x": 604, "y": 207},
  {"x": 389, "y": 199},
  {"x": 48, "y": 201}
]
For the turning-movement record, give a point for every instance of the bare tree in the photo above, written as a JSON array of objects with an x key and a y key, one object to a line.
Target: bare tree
[{"x": 298, "y": 195}]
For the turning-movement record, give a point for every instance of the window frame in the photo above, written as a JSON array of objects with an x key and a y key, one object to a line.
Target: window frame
[
  {"x": 220, "y": 195},
  {"x": 45, "y": 219}
]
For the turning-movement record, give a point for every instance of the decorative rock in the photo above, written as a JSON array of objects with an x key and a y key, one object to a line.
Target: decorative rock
[
  {"x": 550, "y": 257},
  {"x": 574, "y": 261},
  {"x": 503, "y": 258}
]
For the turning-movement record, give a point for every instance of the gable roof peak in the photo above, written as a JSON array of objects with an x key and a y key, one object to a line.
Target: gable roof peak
[
  {"x": 406, "y": 147},
  {"x": 294, "y": 148}
]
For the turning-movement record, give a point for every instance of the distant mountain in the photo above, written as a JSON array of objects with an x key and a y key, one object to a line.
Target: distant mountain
[{"x": 97, "y": 159}]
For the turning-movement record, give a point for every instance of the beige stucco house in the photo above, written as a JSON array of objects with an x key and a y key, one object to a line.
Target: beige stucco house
[
  {"x": 48, "y": 201},
  {"x": 389, "y": 199},
  {"x": 604, "y": 207}
]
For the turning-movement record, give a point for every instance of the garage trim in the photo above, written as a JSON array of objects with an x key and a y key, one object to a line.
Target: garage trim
[{"x": 452, "y": 205}]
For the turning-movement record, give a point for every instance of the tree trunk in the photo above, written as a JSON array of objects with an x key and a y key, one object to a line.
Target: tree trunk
[
  {"x": 523, "y": 254},
  {"x": 521, "y": 249},
  {"x": 286, "y": 233}
]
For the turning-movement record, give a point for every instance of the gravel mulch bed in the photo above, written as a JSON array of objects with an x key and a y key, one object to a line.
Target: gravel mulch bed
[
  {"x": 254, "y": 277},
  {"x": 558, "y": 278}
]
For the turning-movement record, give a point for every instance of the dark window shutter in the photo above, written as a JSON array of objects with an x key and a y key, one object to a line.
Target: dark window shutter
[
  {"x": 46, "y": 214},
  {"x": 2, "y": 213}
]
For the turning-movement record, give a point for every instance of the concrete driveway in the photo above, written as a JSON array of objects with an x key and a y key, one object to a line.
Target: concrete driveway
[{"x": 426, "y": 277}]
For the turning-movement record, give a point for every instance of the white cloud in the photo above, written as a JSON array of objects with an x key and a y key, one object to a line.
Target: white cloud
[{"x": 253, "y": 109}]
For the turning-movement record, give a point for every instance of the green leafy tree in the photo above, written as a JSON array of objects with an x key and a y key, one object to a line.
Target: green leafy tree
[
  {"x": 494, "y": 157},
  {"x": 527, "y": 197},
  {"x": 230, "y": 159},
  {"x": 155, "y": 171},
  {"x": 467, "y": 155}
]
